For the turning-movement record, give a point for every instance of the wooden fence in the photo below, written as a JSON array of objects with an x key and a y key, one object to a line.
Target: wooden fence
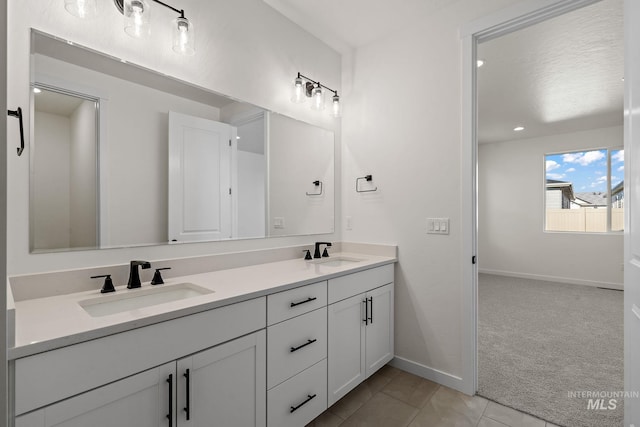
[{"x": 584, "y": 219}]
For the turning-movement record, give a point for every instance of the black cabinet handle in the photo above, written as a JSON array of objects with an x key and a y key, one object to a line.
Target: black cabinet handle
[
  {"x": 293, "y": 304},
  {"x": 170, "y": 414},
  {"x": 18, "y": 114},
  {"x": 303, "y": 345},
  {"x": 366, "y": 312},
  {"x": 371, "y": 310},
  {"x": 295, "y": 408},
  {"x": 187, "y": 408}
]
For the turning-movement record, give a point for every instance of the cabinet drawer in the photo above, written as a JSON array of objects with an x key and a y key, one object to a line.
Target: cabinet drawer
[
  {"x": 48, "y": 377},
  {"x": 294, "y": 302},
  {"x": 295, "y": 345},
  {"x": 353, "y": 284},
  {"x": 300, "y": 399}
]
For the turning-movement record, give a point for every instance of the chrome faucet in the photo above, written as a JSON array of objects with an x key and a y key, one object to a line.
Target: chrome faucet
[
  {"x": 134, "y": 275},
  {"x": 316, "y": 253}
]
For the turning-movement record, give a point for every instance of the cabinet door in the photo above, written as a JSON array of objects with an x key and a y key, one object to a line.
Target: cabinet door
[
  {"x": 379, "y": 331},
  {"x": 346, "y": 358},
  {"x": 226, "y": 383},
  {"x": 142, "y": 400}
]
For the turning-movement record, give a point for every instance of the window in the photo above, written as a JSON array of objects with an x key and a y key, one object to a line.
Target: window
[{"x": 584, "y": 191}]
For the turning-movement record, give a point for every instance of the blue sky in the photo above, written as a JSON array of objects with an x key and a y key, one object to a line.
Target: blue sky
[{"x": 586, "y": 170}]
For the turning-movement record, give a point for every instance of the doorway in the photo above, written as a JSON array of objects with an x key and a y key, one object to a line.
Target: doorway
[{"x": 516, "y": 18}]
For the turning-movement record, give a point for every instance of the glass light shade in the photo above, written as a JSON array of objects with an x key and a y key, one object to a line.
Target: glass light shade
[
  {"x": 183, "y": 36},
  {"x": 136, "y": 18},
  {"x": 298, "y": 91},
  {"x": 336, "y": 108},
  {"x": 317, "y": 98},
  {"x": 81, "y": 8}
]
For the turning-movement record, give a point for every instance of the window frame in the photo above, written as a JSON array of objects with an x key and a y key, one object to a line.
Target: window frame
[{"x": 608, "y": 150}]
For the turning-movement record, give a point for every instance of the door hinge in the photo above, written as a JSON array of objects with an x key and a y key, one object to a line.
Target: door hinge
[
  {"x": 229, "y": 191},
  {"x": 473, "y": 259},
  {"x": 229, "y": 143}
]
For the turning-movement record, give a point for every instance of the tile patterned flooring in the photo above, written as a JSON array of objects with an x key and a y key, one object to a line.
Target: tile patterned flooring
[{"x": 395, "y": 398}]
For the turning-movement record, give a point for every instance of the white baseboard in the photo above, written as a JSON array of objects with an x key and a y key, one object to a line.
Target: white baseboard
[
  {"x": 569, "y": 280},
  {"x": 431, "y": 374}
]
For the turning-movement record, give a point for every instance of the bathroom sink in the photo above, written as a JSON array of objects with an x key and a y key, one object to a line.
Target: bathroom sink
[
  {"x": 336, "y": 261},
  {"x": 134, "y": 299}
]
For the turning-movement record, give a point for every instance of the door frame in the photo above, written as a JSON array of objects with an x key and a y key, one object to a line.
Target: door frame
[{"x": 513, "y": 18}]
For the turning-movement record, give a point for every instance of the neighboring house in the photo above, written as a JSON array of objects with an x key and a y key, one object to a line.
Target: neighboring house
[
  {"x": 617, "y": 196},
  {"x": 592, "y": 199},
  {"x": 559, "y": 194}
]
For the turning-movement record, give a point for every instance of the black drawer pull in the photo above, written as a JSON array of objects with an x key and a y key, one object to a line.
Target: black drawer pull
[
  {"x": 303, "y": 345},
  {"x": 371, "y": 310},
  {"x": 295, "y": 408},
  {"x": 293, "y": 304},
  {"x": 187, "y": 408},
  {"x": 170, "y": 414}
]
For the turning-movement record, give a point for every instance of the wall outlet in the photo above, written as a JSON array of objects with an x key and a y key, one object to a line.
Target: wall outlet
[
  {"x": 278, "y": 222},
  {"x": 348, "y": 223},
  {"x": 437, "y": 225}
]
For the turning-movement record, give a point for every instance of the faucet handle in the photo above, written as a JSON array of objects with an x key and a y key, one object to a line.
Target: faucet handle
[
  {"x": 157, "y": 277},
  {"x": 108, "y": 283},
  {"x": 325, "y": 254},
  {"x": 308, "y": 254}
]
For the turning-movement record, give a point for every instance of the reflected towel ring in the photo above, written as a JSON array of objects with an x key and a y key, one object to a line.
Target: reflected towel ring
[
  {"x": 316, "y": 183},
  {"x": 367, "y": 178}
]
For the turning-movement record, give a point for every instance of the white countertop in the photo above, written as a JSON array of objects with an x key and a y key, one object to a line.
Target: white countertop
[{"x": 45, "y": 324}]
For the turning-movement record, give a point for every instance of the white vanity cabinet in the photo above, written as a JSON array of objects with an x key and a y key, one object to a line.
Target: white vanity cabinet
[
  {"x": 108, "y": 382},
  {"x": 360, "y": 328},
  {"x": 297, "y": 355},
  {"x": 225, "y": 383}
]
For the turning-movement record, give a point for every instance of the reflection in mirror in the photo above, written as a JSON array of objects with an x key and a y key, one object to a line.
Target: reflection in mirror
[
  {"x": 175, "y": 162},
  {"x": 64, "y": 170}
]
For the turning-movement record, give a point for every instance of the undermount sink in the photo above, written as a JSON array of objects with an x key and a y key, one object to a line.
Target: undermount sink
[
  {"x": 336, "y": 262},
  {"x": 133, "y": 299}
]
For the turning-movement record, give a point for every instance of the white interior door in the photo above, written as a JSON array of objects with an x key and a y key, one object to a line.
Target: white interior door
[
  {"x": 200, "y": 171},
  {"x": 632, "y": 219}
]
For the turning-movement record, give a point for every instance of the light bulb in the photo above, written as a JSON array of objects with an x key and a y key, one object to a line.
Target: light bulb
[
  {"x": 136, "y": 18},
  {"x": 317, "y": 98},
  {"x": 183, "y": 36},
  {"x": 81, "y": 8},
  {"x": 336, "y": 107},
  {"x": 298, "y": 89}
]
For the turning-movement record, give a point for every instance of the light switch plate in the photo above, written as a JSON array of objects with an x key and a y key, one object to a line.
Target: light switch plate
[{"x": 437, "y": 225}]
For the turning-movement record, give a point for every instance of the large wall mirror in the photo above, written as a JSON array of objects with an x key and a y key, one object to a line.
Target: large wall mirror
[{"x": 125, "y": 156}]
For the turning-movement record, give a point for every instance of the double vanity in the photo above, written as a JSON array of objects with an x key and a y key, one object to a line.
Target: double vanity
[{"x": 270, "y": 344}]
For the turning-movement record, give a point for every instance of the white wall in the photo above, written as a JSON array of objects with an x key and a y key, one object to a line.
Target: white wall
[
  {"x": 234, "y": 39},
  {"x": 251, "y": 194},
  {"x": 83, "y": 177},
  {"x": 51, "y": 178},
  {"x": 401, "y": 124},
  {"x": 511, "y": 239}
]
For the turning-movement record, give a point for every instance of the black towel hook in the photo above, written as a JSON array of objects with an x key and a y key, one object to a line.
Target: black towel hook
[{"x": 18, "y": 114}]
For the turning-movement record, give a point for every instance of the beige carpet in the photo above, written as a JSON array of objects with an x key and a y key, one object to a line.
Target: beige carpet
[{"x": 538, "y": 341}]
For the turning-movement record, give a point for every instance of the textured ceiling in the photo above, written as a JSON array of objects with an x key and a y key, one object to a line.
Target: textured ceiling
[{"x": 562, "y": 75}]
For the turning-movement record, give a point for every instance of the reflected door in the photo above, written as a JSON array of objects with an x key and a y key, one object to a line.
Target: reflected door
[{"x": 200, "y": 170}]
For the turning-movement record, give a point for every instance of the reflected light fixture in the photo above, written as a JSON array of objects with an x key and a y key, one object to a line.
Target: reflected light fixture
[
  {"x": 518, "y": 128},
  {"x": 81, "y": 8},
  {"x": 137, "y": 20},
  {"x": 480, "y": 63},
  {"x": 304, "y": 87}
]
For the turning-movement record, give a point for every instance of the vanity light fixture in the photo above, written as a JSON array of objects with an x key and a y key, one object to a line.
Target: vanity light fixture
[
  {"x": 81, "y": 8},
  {"x": 304, "y": 87},
  {"x": 518, "y": 128},
  {"x": 137, "y": 20}
]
